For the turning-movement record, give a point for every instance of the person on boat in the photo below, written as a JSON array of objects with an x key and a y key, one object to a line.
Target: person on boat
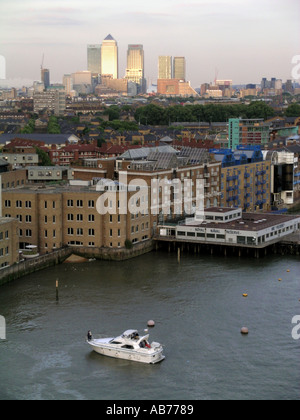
[{"x": 89, "y": 336}]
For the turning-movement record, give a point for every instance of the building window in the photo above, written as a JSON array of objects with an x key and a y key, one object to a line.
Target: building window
[
  {"x": 79, "y": 232},
  {"x": 70, "y": 217},
  {"x": 19, "y": 204},
  {"x": 70, "y": 203},
  {"x": 79, "y": 203},
  {"x": 70, "y": 231},
  {"x": 28, "y": 204},
  {"x": 79, "y": 217},
  {"x": 91, "y": 218},
  {"x": 91, "y": 204},
  {"x": 91, "y": 232}
]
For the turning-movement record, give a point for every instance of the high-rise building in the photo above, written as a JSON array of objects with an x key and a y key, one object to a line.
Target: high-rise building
[
  {"x": 51, "y": 100},
  {"x": 179, "y": 68},
  {"x": 94, "y": 59},
  {"x": 109, "y": 58},
  {"x": 165, "y": 67},
  {"x": 135, "y": 66},
  {"x": 45, "y": 77},
  {"x": 245, "y": 132},
  {"x": 68, "y": 83}
]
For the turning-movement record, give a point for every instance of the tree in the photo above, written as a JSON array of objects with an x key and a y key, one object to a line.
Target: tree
[
  {"x": 293, "y": 110},
  {"x": 29, "y": 127},
  {"x": 259, "y": 109},
  {"x": 151, "y": 114},
  {"x": 53, "y": 126},
  {"x": 44, "y": 159},
  {"x": 113, "y": 112}
]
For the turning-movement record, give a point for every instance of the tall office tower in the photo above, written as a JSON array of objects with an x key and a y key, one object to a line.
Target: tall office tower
[
  {"x": 109, "y": 58},
  {"x": 164, "y": 67},
  {"x": 179, "y": 68},
  {"x": 94, "y": 59},
  {"x": 68, "y": 83},
  {"x": 135, "y": 66},
  {"x": 273, "y": 81},
  {"x": 45, "y": 77}
]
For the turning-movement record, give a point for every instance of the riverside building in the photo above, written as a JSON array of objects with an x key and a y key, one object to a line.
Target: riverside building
[
  {"x": 53, "y": 217},
  {"x": 245, "y": 178},
  {"x": 232, "y": 227}
]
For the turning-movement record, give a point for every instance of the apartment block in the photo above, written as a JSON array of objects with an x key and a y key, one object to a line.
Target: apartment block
[
  {"x": 193, "y": 175},
  {"x": 247, "y": 132},
  {"x": 9, "y": 242},
  {"x": 51, "y": 100},
  {"x": 245, "y": 178},
  {"x": 52, "y": 217}
]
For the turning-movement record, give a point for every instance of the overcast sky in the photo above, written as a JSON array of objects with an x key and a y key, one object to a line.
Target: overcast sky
[{"x": 242, "y": 40}]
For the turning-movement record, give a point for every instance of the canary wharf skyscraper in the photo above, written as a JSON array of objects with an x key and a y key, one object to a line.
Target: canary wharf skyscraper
[
  {"x": 109, "y": 58},
  {"x": 164, "y": 67},
  {"x": 179, "y": 68},
  {"x": 135, "y": 66},
  {"x": 94, "y": 58}
]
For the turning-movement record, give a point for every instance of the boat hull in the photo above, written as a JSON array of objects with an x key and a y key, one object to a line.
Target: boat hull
[{"x": 150, "y": 356}]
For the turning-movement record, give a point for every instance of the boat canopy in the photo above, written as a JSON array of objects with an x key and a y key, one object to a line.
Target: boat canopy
[{"x": 128, "y": 333}]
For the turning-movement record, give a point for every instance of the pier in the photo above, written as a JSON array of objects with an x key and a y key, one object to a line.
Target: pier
[
  {"x": 286, "y": 247},
  {"x": 230, "y": 232}
]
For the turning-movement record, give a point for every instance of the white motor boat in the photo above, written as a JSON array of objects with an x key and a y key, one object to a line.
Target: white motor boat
[{"x": 130, "y": 346}]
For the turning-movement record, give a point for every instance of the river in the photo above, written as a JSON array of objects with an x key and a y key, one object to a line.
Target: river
[{"x": 198, "y": 308}]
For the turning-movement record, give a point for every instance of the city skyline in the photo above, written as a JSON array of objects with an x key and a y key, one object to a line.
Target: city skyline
[{"x": 241, "y": 41}]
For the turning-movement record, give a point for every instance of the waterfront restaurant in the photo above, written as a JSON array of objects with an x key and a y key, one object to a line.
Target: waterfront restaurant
[{"x": 228, "y": 226}]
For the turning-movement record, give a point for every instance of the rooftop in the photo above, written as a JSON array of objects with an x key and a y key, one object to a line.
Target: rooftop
[{"x": 249, "y": 221}]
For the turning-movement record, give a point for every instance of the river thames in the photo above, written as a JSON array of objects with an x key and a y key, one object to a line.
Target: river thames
[{"x": 198, "y": 308}]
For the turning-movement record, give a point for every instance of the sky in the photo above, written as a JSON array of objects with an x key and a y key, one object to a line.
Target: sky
[{"x": 241, "y": 40}]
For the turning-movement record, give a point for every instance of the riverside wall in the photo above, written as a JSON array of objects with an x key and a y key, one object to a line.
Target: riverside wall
[{"x": 29, "y": 266}]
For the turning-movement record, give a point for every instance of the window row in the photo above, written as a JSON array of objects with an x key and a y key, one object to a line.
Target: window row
[
  {"x": 70, "y": 231},
  {"x": 18, "y": 205},
  {"x": 28, "y": 204},
  {"x": 79, "y": 203},
  {"x": 79, "y": 217}
]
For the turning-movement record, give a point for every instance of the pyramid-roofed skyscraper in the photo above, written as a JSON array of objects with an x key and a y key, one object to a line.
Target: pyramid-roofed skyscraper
[{"x": 109, "y": 57}]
